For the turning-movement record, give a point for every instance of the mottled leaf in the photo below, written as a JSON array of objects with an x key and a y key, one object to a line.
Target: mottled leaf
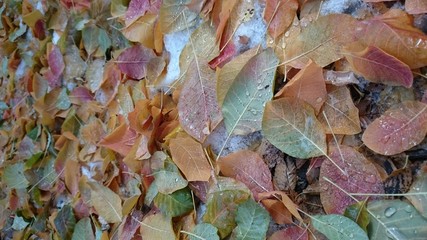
[
  {"x": 14, "y": 176},
  {"x": 291, "y": 125},
  {"x": 279, "y": 14},
  {"x": 336, "y": 227},
  {"x": 340, "y": 111},
  {"x": 83, "y": 230},
  {"x": 157, "y": 226},
  {"x": 358, "y": 213},
  {"x": 395, "y": 219},
  {"x": 398, "y": 129},
  {"x": 223, "y": 199},
  {"x": 190, "y": 158},
  {"x": 377, "y": 66},
  {"x": 65, "y": 222},
  {"x": 176, "y": 203},
  {"x": 249, "y": 168},
  {"x": 290, "y": 233},
  {"x": 106, "y": 202},
  {"x": 252, "y": 221},
  {"x": 355, "y": 174},
  {"x": 94, "y": 74},
  {"x": 419, "y": 186},
  {"x": 244, "y": 103},
  {"x": 134, "y": 60}
]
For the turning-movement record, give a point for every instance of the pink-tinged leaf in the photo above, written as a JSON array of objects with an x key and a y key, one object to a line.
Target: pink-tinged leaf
[
  {"x": 56, "y": 67},
  {"x": 224, "y": 57},
  {"x": 131, "y": 225},
  {"x": 279, "y": 14},
  {"x": 398, "y": 129},
  {"x": 249, "y": 168},
  {"x": 120, "y": 140},
  {"x": 110, "y": 84},
  {"x": 290, "y": 233},
  {"x": 359, "y": 176},
  {"x": 134, "y": 60},
  {"x": 138, "y": 8},
  {"x": 380, "y": 67},
  {"x": 394, "y": 33},
  {"x": 190, "y": 158},
  {"x": 80, "y": 95},
  {"x": 416, "y": 6}
]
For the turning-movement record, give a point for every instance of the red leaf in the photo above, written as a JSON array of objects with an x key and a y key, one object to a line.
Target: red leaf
[
  {"x": 134, "y": 60},
  {"x": 290, "y": 233},
  {"x": 80, "y": 95},
  {"x": 56, "y": 67},
  {"x": 361, "y": 177},
  {"x": 398, "y": 129},
  {"x": 249, "y": 168},
  {"x": 138, "y": 8},
  {"x": 378, "y": 66}
]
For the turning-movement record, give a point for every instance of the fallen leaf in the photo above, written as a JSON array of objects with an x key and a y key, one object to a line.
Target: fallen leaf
[
  {"x": 290, "y": 233},
  {"x": 65, "y": 222},
  {"x": 175, "y": 16},
  {"x": 398, "y": 129},
  {"x": 249, "y": 168},
  {"x": 359, "y": 214},
  {"x": 377, "y": 66},
  {"x": 339, "y": 115},
  {"x": 279, "y": 14},
  {"x": 286, "y": 201},
  {"x": 175, "y": 204},
  {"x": 243, "y": 105},
  {"x": 291, "y": 125},
  {"x": 134, "y": 60},
  {"x": 106, "y": 202},
  {"x": 419, "y": 186},
  {"x": 359, "y": 176},
  {"x": 415, "y": 6},
  {"x": 120, "y": 140},
  {"x": 252, "y": 220},
  {"x": 205, "y": 231},
  {"x": 190, "y": 158},
  {"x": 83, "y": 230},
  {"x": 308, "y": 85},
  {"x": 335, "y": 226},
  {"x": 157, "y": 226}
]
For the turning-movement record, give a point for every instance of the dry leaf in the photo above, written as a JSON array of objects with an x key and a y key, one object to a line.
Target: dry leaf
[{"x": 279, "y": 15}]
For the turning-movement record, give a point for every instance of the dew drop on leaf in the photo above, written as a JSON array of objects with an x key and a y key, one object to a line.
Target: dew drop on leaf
[{"x": 388, "y": 212}]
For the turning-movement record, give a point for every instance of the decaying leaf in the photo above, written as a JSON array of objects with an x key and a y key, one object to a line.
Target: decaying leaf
[
  {"x": 291, "y": 125},
  {"x": 354, "y": 175},
  {"x": 398, "y": 129},
  {"x": 249, "y": 168},
  {"x": 243, "y": 105}
]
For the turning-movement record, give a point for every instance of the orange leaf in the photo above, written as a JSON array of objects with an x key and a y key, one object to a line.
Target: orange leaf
[
  {"x": 120, "y": 140},
  {"x": 308, "y": 85},
  {"x": 393, "y": 33},
  {"x": 287, "y": 202},
  {"x": 278, "y": 211},
  {"x": 249, "y": 168},
  {"x": 190, "y": 158},
  {"x": 398, "y": 129},
  {"x": 221, "y": 13},
  {"x": 379, "y": 67},
  {"x": 279, "y": 14}
]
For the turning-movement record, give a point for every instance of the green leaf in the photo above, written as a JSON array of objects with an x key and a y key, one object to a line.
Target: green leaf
[
  {"x": 169, "y": 179},
  {"x": 244, "y": 103},
  {"x": 65, "y": 222},
  {"x": 358, "y": 213},
  {"x": 252, "y": 221},
  {"x": 337, "y": 227},
  {"x": 83, "y": 230},
  {"x": 19, "y": 223},
  {"x": 204, "y": 231},
  {"x": 14, "y": 176},
  {"x": 395, "y": 219},
  {"x": 223, "y": 198},
  {"x": 291, "y": 125},
  {"x": 176, "y": 204},
  {"x": 90, "y": 38},
  {"x": 63, "y": 102},
  {"x": 71, "y": 123},
  {"x": 419, "y": 201},
  {"x": 104, "y": 40},
  {"x": 106, "y": 202}
]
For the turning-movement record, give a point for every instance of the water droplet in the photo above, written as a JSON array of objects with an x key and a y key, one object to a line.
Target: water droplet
[
  {"x": 388, "y": 212},
  {"x": 351, "y": 235},
  {"x": 247, "y": 93},
  {"x": 287, "y": 34},
  {"x": 319, "y": 100},
  {"x": 394, "y": 233},
  {"x": 254, "y": 111},
  {"x": 408, "y": 209},
  {"x": 176, "y": 179},
  {"x": 260, "y": 87}
]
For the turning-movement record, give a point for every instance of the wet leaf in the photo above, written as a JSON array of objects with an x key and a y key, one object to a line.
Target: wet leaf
[
  {"x": 243, "y": 105},
  {"x": 419, "y": 186},
  {"x": 291, "y": 125},
  {"x": 176, "y": 16},
  {"x": 106, "y": 202},
  {"x": 223, "y": 200},
  {"x": 175, "y": 204},
  {"x": 377, "y": 66},
  {"x": 290, "y": 233},
  {"x": 308, "y": 85},
  {"x": 359, "y": 176},
  {"x": 358, "y": 213},
  {"x": 249, "y": 168},
  {"x": 157, "y": 226},
  {"x": 169, "y": 179},
  {"x": 340, "y": 112},
  {"x": 336, "y": 227},
  {"x": 190, "y": 158},
  {"x": 395, "y": 219},
  {"x": 393, "y": 33},
  {"x": 94, "y": 74},
  {"x": 65, "y": 222},
  {"x": 252, "y": 221},
  {"x": 279, "y": 14},
  {"x": 134, "y": 60},
  {"x": 398, "y": 129},
  {"x": 205, "y": 231}
]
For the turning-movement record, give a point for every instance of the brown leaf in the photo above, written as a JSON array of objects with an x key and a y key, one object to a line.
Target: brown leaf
[
  {"x": 279, "y": 14},
  {"x": 249, "y": 168},
  {"x": 360, "y": 176},
  {"x": 340, "y": 111},
  {"x": 120, "y": 140},
  {"x": 379, "y": 67},
  {"x": 286, "y": 201},
  {"x": 190, "y": 158},
  {"x": 398, "y": 129},
  {"x": 308, "y": 85},
  {"x": 278, "y": 211}
]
